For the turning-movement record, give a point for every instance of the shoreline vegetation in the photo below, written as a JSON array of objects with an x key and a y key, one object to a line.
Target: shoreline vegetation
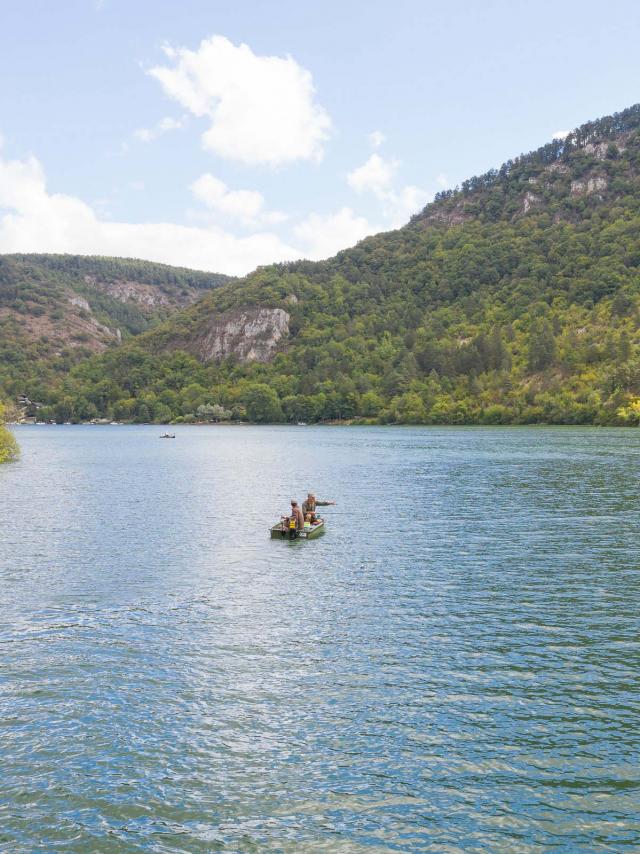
[
  {"x": 351, "y": 422},
  {"x": 264, "y": 407},
  {"x": 9, "y": 451}
]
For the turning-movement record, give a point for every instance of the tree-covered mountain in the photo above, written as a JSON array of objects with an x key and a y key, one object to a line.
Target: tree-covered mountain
[
  {"x": 55, "y": 310},
  {"x": 512, "y": 299}
]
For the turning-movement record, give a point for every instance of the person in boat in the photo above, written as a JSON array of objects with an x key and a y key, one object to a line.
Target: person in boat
[
  {"x": 294, "y": 522},
  {"x": 309, "y": 506}
]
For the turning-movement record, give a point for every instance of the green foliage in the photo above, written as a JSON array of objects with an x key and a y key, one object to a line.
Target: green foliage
[
  {"x": 212, "y": 412},
  {"x": 57, "y": 309},
  {"x": 262, "y": 404},
  {"x": 109, "y": 269},
  {"x": 542, "y": 347},
  {"x": 8, "y": 446},
  {"x": 513, "y": 299}
]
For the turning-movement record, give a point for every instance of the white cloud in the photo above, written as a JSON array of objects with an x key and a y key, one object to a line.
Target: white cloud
[
  {"x": 39, "y": 221},
  {"x": 34, "y": 220},
  {"x": 325, "y": 234},
  {"x": 375, "y": 176},
  {"x": 246, "y": 205},
  {"x": 163, "y": 126},
  {"x": 442, "y": 181},
  {"x": 561, "y": 134},
  {"x": 262, "y": 109},
  {"x": 376, "y": 138}
]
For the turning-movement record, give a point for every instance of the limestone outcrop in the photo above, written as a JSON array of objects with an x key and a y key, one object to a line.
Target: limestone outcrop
[{"x": 250, "y": 334}]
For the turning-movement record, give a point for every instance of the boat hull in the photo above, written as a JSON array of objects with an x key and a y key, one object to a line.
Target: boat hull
[{"x": 278, "y": 532}]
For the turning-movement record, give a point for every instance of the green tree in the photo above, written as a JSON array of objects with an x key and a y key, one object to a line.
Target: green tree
[
  {"x": 262, "y": 404},
  {"x": 371, "y": 404},
  {"x": 409, "y": 409},
  {"x": 542, "y": 347}
]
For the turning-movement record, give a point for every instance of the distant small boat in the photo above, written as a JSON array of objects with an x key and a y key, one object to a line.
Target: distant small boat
[
  {"x": 280, "y": 531},
  {"x": 301, "y": 424},
  {"x": 168, "y": 436}
]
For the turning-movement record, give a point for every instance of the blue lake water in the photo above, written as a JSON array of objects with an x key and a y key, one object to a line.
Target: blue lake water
[{"x": 453, "y": 667}]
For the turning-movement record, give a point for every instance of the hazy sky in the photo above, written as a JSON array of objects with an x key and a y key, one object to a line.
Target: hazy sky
[{"x": 225, "y": 134}]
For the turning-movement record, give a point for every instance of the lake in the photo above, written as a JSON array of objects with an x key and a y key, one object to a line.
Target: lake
[{"x": 453, "y": 667}]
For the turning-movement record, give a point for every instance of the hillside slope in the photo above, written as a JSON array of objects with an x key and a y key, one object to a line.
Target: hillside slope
[
  {"x": 514, "y": 298},
  {"x": 58, "y": 309}
]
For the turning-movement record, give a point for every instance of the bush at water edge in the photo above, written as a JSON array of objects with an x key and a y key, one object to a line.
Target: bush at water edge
[{"x": 8, "y": 446}]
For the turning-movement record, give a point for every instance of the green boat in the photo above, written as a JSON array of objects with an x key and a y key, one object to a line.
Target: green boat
[{"x": 280, "y": 532}]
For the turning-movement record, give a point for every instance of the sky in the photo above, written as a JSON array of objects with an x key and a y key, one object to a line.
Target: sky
[{"x": 226, "y": 134}]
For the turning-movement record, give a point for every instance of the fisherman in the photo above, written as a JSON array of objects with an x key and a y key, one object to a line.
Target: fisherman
[
  {"x": 309, "y": 506},
  {"x": 294, "y": 522}
]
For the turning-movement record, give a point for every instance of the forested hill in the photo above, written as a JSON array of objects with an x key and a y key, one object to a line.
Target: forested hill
[
  {"x": 57, "y": 309},
  {"x": 512, "y": 299}
]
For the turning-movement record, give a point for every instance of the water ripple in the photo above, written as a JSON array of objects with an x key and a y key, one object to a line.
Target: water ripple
[{"x": 452, "y": 668}]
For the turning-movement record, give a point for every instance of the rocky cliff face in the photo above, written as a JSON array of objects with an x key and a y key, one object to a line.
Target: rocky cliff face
[
  {"x": 75, "y": 326},
  {"x": 250, "y": 334},
  {"x": 57, "y": 304},
  {"x": 146, "y": 296},
  {"x": 565, "y": 178}
]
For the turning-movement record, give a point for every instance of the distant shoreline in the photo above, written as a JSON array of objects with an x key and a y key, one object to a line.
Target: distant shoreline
[{"x": 537, "y": 424}]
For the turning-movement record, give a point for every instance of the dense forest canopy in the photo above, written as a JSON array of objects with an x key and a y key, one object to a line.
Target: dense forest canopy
[
  {"x": 514, "y": 298},
  {"x": 111, "y": 269}
]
